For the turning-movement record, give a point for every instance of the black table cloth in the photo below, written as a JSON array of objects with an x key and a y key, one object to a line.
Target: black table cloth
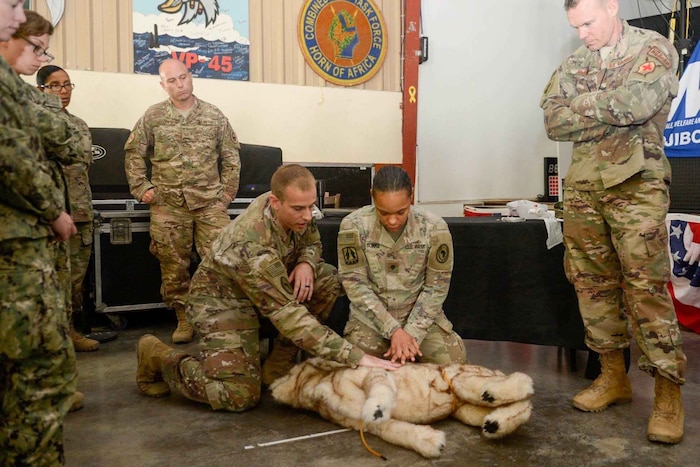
[{"x": 506, "y": 285}]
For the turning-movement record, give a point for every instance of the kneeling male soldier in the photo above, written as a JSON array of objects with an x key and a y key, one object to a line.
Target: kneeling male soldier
[{"x": 267, "y": 262}]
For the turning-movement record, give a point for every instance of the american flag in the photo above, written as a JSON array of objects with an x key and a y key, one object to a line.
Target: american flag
[{"x": 685, "y": 278}]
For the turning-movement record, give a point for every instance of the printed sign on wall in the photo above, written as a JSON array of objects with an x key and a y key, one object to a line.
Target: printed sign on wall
[
  {"x": 209, "y": 36},
  {"x": 682, "y": 133},
  {"x": 344, "y": 41}
]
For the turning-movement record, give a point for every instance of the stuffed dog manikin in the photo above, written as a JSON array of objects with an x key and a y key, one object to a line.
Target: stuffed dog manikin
[{"x": 398, "y": 405}]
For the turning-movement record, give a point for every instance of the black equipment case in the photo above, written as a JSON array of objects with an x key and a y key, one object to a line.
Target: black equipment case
[{"x": 124, "y": 276}]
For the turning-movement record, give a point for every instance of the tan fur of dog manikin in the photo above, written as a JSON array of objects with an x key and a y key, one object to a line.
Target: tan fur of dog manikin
[{"x": 398, "y": 405}]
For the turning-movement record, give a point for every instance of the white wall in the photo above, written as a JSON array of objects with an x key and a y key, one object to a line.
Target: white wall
[
  {"x": 480, "y": 128},
  {"x": 310, "y": 124}
]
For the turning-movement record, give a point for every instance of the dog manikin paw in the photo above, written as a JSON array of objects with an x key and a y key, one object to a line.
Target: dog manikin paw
[
  {"x": 487, "y": 397},
  {"x": 375, "y": 412},
  {"x": 432, "y": 443},
  {"x": 490, "y": 427}
]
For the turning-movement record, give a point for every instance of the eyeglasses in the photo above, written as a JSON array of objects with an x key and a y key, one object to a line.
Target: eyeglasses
[
  {"x": 39, "y": 51},
  {"x": 55, "y": 87}
]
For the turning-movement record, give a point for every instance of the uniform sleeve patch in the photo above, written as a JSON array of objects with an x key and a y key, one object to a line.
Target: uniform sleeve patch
[
  {"x": 553, "y": 84},
  {"x": 274, "y": 273},
  {"x": 347, "y": 238},
  {"x": 286, "y": 286},
  {"x": 660, "y": 56},
  {"x": 276, "y": 268},
  {"x": 646, "y": 68},
  {"x": 350, "y": 256},
  {"x": 441, "y": 252}
]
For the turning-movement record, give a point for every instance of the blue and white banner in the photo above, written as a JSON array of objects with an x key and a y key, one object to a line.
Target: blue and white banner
[{"x": 682, "y": 132}]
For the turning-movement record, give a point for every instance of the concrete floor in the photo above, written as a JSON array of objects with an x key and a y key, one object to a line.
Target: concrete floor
[{"x": 119, "y": 427}]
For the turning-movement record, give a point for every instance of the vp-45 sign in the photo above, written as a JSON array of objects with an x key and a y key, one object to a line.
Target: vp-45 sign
[{"x": 209, "y": 36}]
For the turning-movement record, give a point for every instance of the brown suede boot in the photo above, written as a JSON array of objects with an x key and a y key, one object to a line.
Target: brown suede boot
[
  {"x": 611, "y": 387},
  {"x": 184, "y": 332},
  {"x": 77, "y": 402},
  {"x": 149, "y": 377},
  {"x": 281, "y": 359},
  {"x": 666, "y": 421},
  {"x": 82, "y": 343}
]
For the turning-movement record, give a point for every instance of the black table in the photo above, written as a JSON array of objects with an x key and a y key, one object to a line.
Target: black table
[{"x": 506, "y": 285}]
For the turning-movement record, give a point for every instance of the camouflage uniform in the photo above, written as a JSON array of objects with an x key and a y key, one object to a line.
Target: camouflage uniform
[
  {"x": 194, "y": 163},
  {"x": 37, "y": 361},
  {"x": 245, "y": 276},
  {"x": 398, "y": 284},
  {"x": 616, "y": 193},
  {"x": 80, "y": 199}
]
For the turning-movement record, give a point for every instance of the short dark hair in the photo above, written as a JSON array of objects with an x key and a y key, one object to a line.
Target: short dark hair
[
  {"x": 390, "y": 179},
  {"x": 293, "y": 174},
  {"x": 46, "y": 71}
]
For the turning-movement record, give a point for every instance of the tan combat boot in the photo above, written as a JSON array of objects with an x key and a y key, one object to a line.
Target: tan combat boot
[
  {"x": 666, "y": 421},
  {"x": 149, "y": 377},
  {"x": 184, "y": 332},
  {"x": 82, "y": 343},
  {"x": 77, "y": 402},
  {"x": 611, "y": 387},
  {"x": 281, "y": 359}
]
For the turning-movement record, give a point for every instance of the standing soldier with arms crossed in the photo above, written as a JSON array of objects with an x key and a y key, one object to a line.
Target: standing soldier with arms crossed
[{"x": 611, "y": 97}]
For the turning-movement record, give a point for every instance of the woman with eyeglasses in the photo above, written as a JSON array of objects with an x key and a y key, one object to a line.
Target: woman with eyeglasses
[
  {"x": 26, "y": 51},
  {"x": 54, "y": 80},
  {"x": 37, "y": 361}
]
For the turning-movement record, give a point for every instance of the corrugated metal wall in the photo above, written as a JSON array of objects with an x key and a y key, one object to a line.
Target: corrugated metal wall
[{"x": 96, "y": 35}]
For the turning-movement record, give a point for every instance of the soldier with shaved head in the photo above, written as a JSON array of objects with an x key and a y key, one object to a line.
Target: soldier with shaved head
[{"x": 193, "y": 152}]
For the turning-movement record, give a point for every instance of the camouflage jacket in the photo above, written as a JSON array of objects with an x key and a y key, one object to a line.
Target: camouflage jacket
[
  {"x": 614, "y": 110},
  {"x": 250, "y": 262},
  {"x": 31, "y": 194},
  {"x": 194, "y": 160},
  {"x": 79, "y": 193},
  {"x": 393, "y": 284}
]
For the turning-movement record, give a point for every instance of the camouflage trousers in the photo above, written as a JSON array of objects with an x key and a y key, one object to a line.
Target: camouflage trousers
[
  {"x": 442, "y": 346},
  {"x": 80, "y": 251},
  {"x": 174, "y": 230},
  {"x": 617, "y": 259},
  {"x": 62, "y": 256},
  {"x": 37, "y": 361},
  {"x": 227, "y": 374}
]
